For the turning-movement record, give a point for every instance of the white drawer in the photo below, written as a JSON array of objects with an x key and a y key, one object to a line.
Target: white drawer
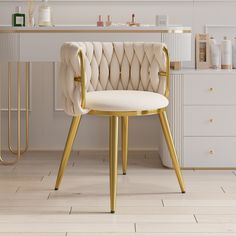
[
  {"x": 210, "y": 89},
  {"x": 215, "y": 152},
  {"x": 210, "y": 121}
]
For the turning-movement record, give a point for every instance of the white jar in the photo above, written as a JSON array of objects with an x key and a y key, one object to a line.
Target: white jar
[
  {"x": 234, "y": 54},
  {"x": 44, "y": 14},
  {"x": 226, "y": 54}
]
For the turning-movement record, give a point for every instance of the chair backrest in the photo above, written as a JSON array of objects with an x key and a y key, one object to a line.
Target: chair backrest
[
  {"x": 95, "y": 66},
  {"x": 124, "y": 66}
]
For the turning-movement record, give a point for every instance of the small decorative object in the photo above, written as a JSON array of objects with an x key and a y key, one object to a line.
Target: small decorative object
[
  {"x": 100, "y": 23},
  {"x": 31, "y": 9},
  {"x": 45, "y": 14},
  {"x": 215, "y": 53},
  {"x": 234, "y": 54},
  {"x": 133, "y": 22},
  {"x": 202, "y": 51},
  {"x": 108, "y": 22},
  {"x": 226, "y": 54},
  {"x": 18, "y": 19},
  {"x": 175, "y": 65},
  {"x": 161, "y": 20}
]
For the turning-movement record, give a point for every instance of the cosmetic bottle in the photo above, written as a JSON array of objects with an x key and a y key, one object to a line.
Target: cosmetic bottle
[
  {"x": 18, "y": 18},
  {"x": 133, "y": 21},
  {"x": 226, "y": 54},
  {"x": 100, "y": 23},
  {"x": 234, "y": 54},
  {"x": 45, "y": 14},
  {"x": 215, "y": 54},
  {"x": 108, "y": 22}
]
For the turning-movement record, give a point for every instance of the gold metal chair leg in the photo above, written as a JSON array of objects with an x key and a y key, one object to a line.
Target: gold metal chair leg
[
  {"x": 125, "y": 128},
  {"x": 66, "y": 154},
  {"x": 18, "y": 151},
  {"x": 171, "y": 147},
  {"x": 113, "y": 143}
]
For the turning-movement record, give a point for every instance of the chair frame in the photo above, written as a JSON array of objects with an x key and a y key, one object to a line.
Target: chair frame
[{"x": 113, "y": 134}]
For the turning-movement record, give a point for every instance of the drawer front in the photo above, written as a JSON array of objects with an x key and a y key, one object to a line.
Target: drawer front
[
  {"x": 215, "y": 152},
  {"x": 210, "y": 121},
  {"x": 210, "y": 89}
]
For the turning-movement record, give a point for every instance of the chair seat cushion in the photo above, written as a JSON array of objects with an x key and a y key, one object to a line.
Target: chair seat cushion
[{"x": 125, "y": 100}]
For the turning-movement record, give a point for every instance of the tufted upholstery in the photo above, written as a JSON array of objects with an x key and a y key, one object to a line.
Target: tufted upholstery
[{"x": 111, "y": 66}]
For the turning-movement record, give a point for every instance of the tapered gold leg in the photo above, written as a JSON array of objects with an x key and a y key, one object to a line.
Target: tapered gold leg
[
  {"x": 171, "y": 147},
  {"x": 125, "y": 128},
  {"x": 69, "y": 143},
  {"x": 113, "y": 143}
]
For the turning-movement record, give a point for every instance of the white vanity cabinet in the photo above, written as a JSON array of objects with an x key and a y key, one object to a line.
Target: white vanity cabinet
[
  {"x": 202, "y": 114},
  {"x": 35, "y": 44}
]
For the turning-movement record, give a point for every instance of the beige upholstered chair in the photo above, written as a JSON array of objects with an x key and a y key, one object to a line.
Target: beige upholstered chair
[{"x": 116, "y": 80}]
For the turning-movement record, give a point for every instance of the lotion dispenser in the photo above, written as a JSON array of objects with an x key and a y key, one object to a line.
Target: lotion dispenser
[{"x": 226, "y": 54}]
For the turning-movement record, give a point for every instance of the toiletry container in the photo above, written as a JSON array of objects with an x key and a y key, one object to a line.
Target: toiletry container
[
  {"x": 108, "y": 22},
  {"x": 45, "y": 14},
  {"x": 100, "y": 22},
  {"x": 18, "y": 18},
  {"x": 226, "y": 54},
  {"x": 161, "y": 20},
  {"x": 215, "y": 54},
  {"x": 234, "y": 54}
]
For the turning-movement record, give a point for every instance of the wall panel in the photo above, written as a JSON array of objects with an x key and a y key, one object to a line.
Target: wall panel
[{"x": 48, "y": 127}]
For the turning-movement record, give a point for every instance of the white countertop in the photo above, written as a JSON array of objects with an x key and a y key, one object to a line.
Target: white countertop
[
  {"x": 93, "y": 28},
  {"x": 205, "y": 71}
]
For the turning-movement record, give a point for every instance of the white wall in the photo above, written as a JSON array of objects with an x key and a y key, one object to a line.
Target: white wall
[{"x": 48, "y": 128}]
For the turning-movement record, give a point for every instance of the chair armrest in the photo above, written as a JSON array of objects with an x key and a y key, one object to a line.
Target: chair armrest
[
  {"x": 167, "y": 72},
  {"x": 82, "y": 78}
]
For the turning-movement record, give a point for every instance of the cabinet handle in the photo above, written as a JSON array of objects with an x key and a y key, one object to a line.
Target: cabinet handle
[
  {"x": 211, "y": 152},
  {"x": 211, "y": 120},
  {"x": 211, "y": 89}
]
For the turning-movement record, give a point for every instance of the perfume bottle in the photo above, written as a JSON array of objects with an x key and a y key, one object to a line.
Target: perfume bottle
[
  {"x": 18, "y": 18},
  {"x": 100, "y": 23},
  {"x": 108, "y": 22},
  {"x": 45, "y": 14}
]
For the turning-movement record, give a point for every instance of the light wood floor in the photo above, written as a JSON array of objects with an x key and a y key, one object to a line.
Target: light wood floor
[{"x": 148, "y": 203}]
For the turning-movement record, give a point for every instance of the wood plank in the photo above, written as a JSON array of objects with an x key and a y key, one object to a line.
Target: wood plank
[
  {"x": 216, "y": 218},
  {"x": 65, "y": 227},
  {"x": 190, "y": 228},
  {"x": 217, "y": 203},
  {"x": 33, "y": 234},
  {"x": 93, "y": 218},
  {"x": 153, "y": 210},
  {"x": 35, "y": 210},
  {"x": 149, "y": 234}
]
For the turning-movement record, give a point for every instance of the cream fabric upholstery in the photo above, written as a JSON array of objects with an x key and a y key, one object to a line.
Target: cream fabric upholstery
[
  {"x": 111, "y": 66},
  {"x": 125, "y": 100}
]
